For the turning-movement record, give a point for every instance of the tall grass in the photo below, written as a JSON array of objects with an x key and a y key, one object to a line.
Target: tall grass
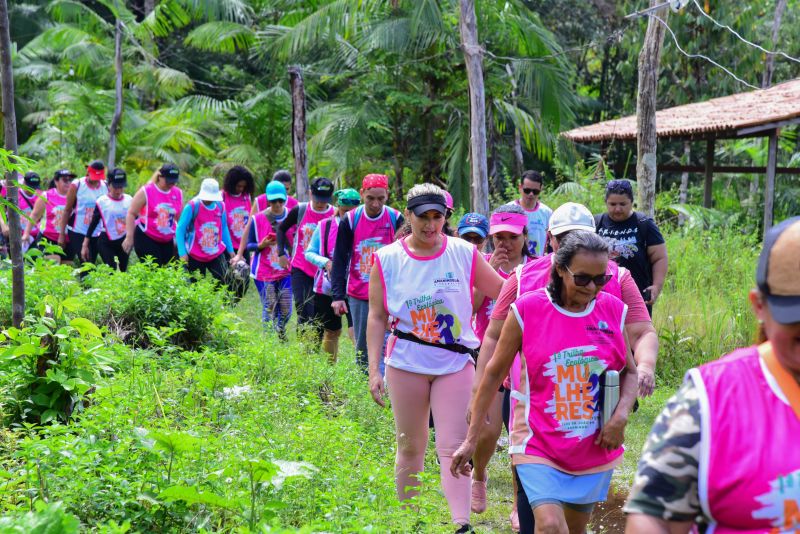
[{"x": 704, "y": 311}]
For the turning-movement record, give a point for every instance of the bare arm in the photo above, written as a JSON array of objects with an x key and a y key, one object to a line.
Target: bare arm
[
  {"x": 137, "y": 203},
  {"x": 487, "y": 281},
  {"x": 644, "y": 343},
  {"x": 376, "y": 326},
  {"x": 243, "y": 242},
  {"x": 657, "y": 254},
  {"x": 612, "y": 434},
  {"x": 36, "y": 216},
  {"x": 507, "y": 348},
  {"x": 488, "y": 346},
  {"x": 647, "y": 524},
  {"x": 72, "y": 196}
]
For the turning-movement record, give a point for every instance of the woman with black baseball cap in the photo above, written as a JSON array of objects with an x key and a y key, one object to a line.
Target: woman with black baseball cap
[
  {"x": 26, "y": 199},
  {"x": 153, "y": 216},
  {"x": 425, "y": 282},
  {"x": 51, "y": 204},
  {"x": 725, "y": 450},
  {"x": 111, "y": 210}
]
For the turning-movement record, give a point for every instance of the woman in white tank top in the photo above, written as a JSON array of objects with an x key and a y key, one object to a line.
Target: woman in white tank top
[{"x": 425, "y": 283}]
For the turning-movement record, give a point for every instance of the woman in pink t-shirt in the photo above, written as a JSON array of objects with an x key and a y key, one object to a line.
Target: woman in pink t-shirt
[
  {"x": 425, "y": 283},
  {"x": 569, "y": 335}
]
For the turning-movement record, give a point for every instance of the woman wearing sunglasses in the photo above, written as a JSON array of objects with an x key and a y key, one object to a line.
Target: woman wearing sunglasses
[
  {"x": 320, "y": 253},
  {"x": 569, "y": 334}
]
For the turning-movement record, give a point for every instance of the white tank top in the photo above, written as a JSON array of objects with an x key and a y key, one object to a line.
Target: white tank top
[
  {"x": 431, "y": 298},
  {"x": 113, "y": 213},
  {"x": 85, "y": 201}
]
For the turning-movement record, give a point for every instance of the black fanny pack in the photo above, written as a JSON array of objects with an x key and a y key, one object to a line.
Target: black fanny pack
[{"x": 452, "y": 347}]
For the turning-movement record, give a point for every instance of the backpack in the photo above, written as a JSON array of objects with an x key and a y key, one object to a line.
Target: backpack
[
  {"x": 360, "y": 210},
  {"x": 190, "y": 229}
]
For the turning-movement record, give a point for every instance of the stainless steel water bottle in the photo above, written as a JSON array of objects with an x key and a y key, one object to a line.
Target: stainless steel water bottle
[{"x": 610, "y": 395}]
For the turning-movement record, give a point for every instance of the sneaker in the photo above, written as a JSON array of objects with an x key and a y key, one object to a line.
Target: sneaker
[
  {"x": 478, "y": 500},
  {"x": 514, "y": 520},
  {"x": 465, "y": 529}
]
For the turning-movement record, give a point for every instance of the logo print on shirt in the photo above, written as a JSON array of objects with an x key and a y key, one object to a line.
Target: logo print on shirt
[
  {"x": 366, "y": 250},
  {"x": 308, "y": 231},
  {"x": 58, "y": 218},
  {"x": 119, "y": 225},
  {"x": 239, "y": 218},
  {"x": 165, "y": 218},
  {"x": 87, "y": 215},
  {"x": 781, "y": 504},
  {"x": 576, "y": 375},
  {"x": 209, "y": 238},
  {"x": 448, "y": 283},
  {"x": 433, "y": 322}
]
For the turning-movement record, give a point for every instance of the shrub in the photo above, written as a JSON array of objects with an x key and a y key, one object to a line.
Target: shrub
[
  {"x": 157, "y": 297},
  {"x": 44, "y": 278}
]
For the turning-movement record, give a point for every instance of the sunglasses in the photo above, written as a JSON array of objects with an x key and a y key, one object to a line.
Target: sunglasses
[
  {"x": 529, "y": 191},
  {"x": 582, "y": 280}
]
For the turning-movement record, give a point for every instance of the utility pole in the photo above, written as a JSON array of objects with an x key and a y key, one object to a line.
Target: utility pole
[
  {"x": 10, "y": 136},
  {"x": 646, "y": 138},
  {"x": 473, "y": 58}
]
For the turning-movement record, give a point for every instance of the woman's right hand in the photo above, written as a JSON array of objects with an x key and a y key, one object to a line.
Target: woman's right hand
[
  {"x": 377, "y": 389},
  {"x": 499, "y": 258},
  {"x": 460, "y": 459},
  {"x": 127, "y": 245}
]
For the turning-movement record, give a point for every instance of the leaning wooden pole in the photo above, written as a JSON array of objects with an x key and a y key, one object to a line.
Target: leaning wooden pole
[
  {"x": 10, "y": 135},
  {"x": 473, "y": 58},
  {"x": 646, "y": 138},
  {"x": 112, "y": 138},
  {"x": 299, "y": 133}
]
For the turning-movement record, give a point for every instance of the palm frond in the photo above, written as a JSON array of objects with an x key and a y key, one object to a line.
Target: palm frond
[
  {"x": 535, "y": 134},
  {"x": 37, "y": 71},
  {"x": 72, "y": 11},
  {"x": 221, "y": 36}
]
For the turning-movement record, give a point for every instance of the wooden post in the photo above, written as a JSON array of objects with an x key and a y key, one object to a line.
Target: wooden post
[
  {"x": 112, "y": 138},
  {"x": 684, "y": 187},
  {"x": 707, "y": 187},
  {"x": 769, "y": 186},
  {"x": 10, "y": 136},
  {"x": 646, "y": 138},
  {"x": 473, "y": 59},
  {"x": 299, "y": 133}
]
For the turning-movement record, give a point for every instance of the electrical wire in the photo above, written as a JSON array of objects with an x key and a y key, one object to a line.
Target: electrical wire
[
  {"x": 738, "y": 36},
  {"x": 700, "y": 56}
]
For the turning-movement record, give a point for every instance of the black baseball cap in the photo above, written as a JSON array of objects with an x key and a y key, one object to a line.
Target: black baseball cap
[
  {"x": 322, "y": 190},
  {"x": 32, "y": 180},
  {"x": 61, "y": 173},
  {"x": 170, "y": 172},
  {"x": 117, "y": 178}
]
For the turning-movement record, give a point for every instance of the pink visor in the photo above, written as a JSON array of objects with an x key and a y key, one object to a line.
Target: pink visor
[{"x": 507, "y": 222}]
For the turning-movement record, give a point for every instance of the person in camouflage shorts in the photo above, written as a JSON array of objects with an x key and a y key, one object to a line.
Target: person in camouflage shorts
[{"x": 666, "y": 480}]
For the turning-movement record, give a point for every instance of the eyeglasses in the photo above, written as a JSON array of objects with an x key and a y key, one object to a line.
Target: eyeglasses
[
  {"x": 582, "y": 280},
  {"x": 529, "y": 191}
]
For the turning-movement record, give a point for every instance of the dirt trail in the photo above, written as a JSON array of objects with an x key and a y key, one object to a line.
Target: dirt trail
[{"x": 608, "y": 517}]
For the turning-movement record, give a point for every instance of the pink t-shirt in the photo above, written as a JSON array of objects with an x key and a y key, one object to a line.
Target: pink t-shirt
[
  {"x": 637, "y": 311},
  {"x": 485, "y": 311},
  {"x": 54, "y": 216},
  {"x": 369, "y": 236},
  {"x": 160, "y": 212},
  {"x": 237, "y": 209},
  {"x": 264, "y": 265},
  {"x": 25, "y": 203},
  {"x": 559, "y": 390},
  {"x": 207, "y": 231}
]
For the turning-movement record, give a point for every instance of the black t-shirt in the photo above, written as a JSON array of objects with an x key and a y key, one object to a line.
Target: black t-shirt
[{"x": 629, "y": 241}]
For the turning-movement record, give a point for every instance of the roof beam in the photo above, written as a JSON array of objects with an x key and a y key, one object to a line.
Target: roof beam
[{"x": 766, "y": 128}]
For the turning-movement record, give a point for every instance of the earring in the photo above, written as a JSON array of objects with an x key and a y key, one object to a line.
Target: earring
[{"x": 761, "y": 321}]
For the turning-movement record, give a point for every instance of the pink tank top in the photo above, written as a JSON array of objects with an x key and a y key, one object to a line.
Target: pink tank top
[
  {"x": 305, "y": 229},
  {"x": 536, "y": 275},
  {"x": 485, "y": 311},
  {"x": 237, "y": 209},
  {"x": 749, "y": 472},
  {"x": 206, "y": 242},
  {"x": 564, "y": 354},
  {"x": 25, "y": 203},
  {"x": 54, "y": 214},
  {"x": 322, "y": 283},
  {"x": 160, "y": 212},
  {"x": 262, "y": 203},
  {"x": 264, "y": 265},
  {"x": 369, "y": 236}
]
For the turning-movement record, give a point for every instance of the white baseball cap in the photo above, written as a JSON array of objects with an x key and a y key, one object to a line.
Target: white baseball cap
[
  {"x": 209, "y": 191},
  {"x": 571, "y": 216}
]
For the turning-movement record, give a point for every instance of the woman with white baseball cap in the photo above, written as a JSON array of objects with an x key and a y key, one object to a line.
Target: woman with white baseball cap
[
  {"x": 725, "y": 448},
  {"x": 202, "y": 235}
]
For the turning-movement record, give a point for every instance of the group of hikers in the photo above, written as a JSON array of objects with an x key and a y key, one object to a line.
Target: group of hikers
[{"x": 535, "y": 319}]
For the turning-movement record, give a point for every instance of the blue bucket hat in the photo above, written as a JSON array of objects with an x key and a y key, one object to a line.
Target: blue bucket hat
[{"x": 473, "y": 223}]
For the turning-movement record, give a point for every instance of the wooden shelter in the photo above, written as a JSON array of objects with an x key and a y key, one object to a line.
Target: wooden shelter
[{"x": 760, "y": 113}]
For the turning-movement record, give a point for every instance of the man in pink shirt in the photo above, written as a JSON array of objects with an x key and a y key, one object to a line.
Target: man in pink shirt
[{"x": 638, "y": 325}]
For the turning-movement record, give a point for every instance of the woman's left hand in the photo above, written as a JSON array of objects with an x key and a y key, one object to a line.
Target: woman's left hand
[
  {"x": 655, "y": 291},
  {"x": 460, "y": 459},
  {"x": 613, "y": 434}
]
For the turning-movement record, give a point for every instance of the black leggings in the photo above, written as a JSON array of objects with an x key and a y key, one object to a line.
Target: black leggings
[
  {"x": 303, "y": 294},
  {"x": 218, "y": 267},
  {"x": 524, "y": 511},
  {"x": 75, "y": 244},
  {"x": 111, "y": 252},
  {"x": 162, "y": 253}
]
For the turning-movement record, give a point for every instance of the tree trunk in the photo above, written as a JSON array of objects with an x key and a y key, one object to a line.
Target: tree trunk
[
  {"x": 683, "y": 191},
  {"x": 149, "y": 6},
  {"x": 473, "y": 58},
  {"x": 646, "y": 139},
  {"x": 491, "y": 151},
  {"x": 10, "y": 136},
  {"x": 112, "y": 139},
  {"x": 769, "y": 63},
  {"x": 519, "y": 161},
  {"x": 299, "y": 133}
]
